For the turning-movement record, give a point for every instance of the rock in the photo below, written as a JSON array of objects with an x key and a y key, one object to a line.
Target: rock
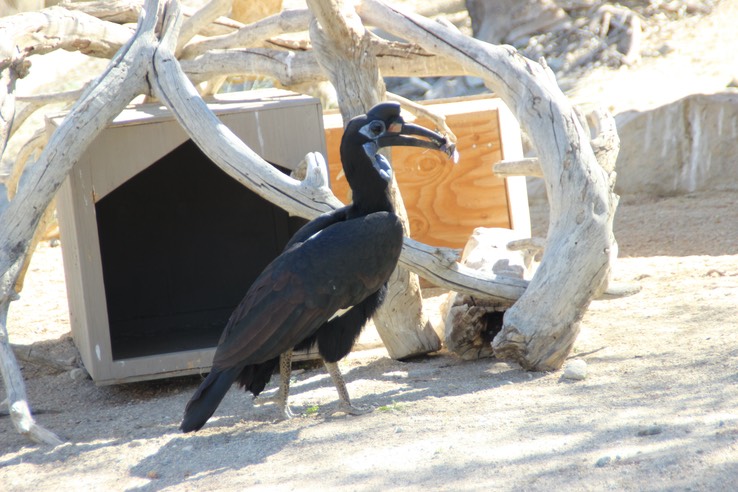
[
  {"x": 682, "y": 147},
  {"x": 650, "y": 431},
  {"x": 79, "y": 374},
  {"x": 575, "y": 370},
  {"x": 604, "y": 461}
]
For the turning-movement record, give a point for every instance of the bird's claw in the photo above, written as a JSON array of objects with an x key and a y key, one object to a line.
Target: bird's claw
[
  {"x": 287, "y": 413},
  {"x": 284, "y": 409},
  {"x": 350, "y": 409},
  {"x": 264, "y": 400}
]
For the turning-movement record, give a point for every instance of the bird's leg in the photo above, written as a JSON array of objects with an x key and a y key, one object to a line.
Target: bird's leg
[
  {"x": 285, "y": 372},
  {"x": 345, "y": 403}
]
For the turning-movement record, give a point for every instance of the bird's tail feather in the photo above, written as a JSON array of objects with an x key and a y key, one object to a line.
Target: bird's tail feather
[{"x": 206, "y": 399}]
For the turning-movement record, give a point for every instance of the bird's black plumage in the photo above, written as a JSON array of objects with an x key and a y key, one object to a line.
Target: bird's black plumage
[{"x": 339, "y": 262}]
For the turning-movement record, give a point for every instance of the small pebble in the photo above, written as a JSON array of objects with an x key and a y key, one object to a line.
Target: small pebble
[
  {"x": 576, "y": 370},
  {"x": 603, "y": 461},
  {"x": 79, "y": 374},
  {"x": 650, "y": 431}
]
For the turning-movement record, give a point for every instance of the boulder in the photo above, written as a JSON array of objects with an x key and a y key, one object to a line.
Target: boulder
[{"x": 687, "y": 146}]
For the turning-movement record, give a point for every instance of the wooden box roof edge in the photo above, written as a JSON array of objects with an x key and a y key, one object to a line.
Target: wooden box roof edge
[{"x": 226, "y": 103}]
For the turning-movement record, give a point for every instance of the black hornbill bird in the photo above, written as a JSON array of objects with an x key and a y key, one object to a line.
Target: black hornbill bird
[{"x": 328, "y": 281}]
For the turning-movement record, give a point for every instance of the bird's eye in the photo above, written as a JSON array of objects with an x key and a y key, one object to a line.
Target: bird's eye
[{"x": 376, "y": 127}]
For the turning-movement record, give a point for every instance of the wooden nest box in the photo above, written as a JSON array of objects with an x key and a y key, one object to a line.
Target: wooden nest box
[{"x": 160, "y": 244}]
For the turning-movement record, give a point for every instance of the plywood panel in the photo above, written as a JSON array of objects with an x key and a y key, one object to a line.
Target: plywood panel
[{"x": 446, "y": 202}]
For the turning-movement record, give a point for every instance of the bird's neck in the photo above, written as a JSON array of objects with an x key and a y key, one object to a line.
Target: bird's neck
[
  {"x": 370, "y": 192},
  {"x": 367, "y": 201}
]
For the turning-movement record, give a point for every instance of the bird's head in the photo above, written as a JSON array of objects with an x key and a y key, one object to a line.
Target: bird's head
[{"x": 382, "y": 126}]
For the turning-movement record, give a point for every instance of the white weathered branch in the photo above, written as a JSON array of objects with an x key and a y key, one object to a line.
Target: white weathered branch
[
  {"x": 291, "y": 68},
  {"x": 34, "y": 144},
  {"x": 533, "y": 244},
  {"x": 530, "y": 166},
  {"x": 35, "y": 33},
  {"x": 27, "y": 105},
  {"x": 438, "y": 119},
  {"x": 252, "y": 34},
  {"x": 127, "y": 11},
  {"x": 204, "y": 16},
  {"x": 442, "y": 269},
  {"x": 287, "y": 67},
  {"x": 8, "y": 77}
]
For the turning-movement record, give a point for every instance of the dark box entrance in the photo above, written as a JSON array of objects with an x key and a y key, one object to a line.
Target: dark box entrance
[{"x": 181, "y": 242}]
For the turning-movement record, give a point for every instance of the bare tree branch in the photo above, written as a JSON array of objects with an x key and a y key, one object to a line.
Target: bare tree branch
[
  {"x": 35, "y": 33},
  {"x": 253, "y": 34},
  {"x": 204, "y": 16}
]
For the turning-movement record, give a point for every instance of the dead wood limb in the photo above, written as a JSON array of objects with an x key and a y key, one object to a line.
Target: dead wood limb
[
  {"x": 254, "y": 34},
  {"x": 8, "y": 77},
  {"x": 36, "y": 33},
  {"x": 288, "y": 68},
  {"x": 119, "y": 11},
  {"x": 123, "y": 79},
  {"x": 343, "y": 47},
  {"x": 523, "y": 167},
  {"x": 17, "y": 400},
  {"x": 201, "y": 18},
  {"x": 27, "y": 105},
  {"x": 34, "y": 144},
  {"x": 292, "y": 68},
  {"x": 127, "y": 12},
  {"x": 303, "y": 198},
  {"x": 424, "y": 111},
  {"x": 533, "y": 244}
]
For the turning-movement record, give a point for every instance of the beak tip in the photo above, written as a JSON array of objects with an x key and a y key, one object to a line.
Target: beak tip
[{"x": 450, "y": 150}]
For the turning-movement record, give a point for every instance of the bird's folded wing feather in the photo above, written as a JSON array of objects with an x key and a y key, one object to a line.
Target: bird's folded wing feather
[{"x": 303, "y": 287}]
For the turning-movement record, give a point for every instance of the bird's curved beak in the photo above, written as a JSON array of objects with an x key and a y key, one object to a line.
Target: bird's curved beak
[{"x": 397, "y": 134}]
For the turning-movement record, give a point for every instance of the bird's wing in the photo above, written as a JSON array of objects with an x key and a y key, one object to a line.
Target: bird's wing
[
  {"x": 317, "y": 224},
  {"x": 335, "y": 268}
]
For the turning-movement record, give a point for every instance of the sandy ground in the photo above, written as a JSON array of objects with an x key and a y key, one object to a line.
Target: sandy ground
[{"x": 658, "y": 410}]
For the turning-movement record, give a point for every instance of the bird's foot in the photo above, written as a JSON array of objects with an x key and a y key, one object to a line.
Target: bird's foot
[
  {"x": 350, "y": 409},
  {"x": 264, "y": 400},
  {"x": 287, "y": 413},
  {"x": 284, "y": 409}
]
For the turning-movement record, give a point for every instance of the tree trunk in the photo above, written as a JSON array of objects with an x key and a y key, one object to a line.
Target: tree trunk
[{"x": 344, "y": 50}]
